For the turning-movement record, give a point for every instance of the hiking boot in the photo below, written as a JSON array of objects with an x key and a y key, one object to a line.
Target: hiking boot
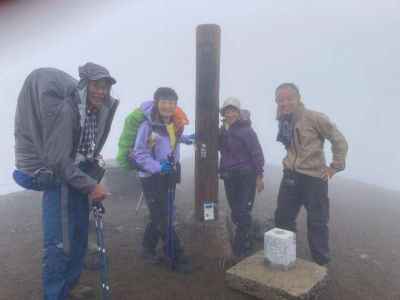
[
  {"x": 325, "y": 263},
  {"x": 242, "y": 246},
  {"x": 183, "y": 265},
  {"x": 81, "y": 292},
  {"x": 151, "y": 257}
]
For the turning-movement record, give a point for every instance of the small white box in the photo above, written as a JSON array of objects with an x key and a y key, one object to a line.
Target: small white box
[{"x": 280, "y": 248}]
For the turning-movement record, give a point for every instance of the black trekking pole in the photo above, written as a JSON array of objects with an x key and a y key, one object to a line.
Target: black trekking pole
[
  {"x": 171, "y": 179},
  {"x": 98, "y": 212}
]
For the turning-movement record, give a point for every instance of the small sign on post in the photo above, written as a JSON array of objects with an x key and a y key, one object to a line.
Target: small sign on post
[{"x": 209, "y": 211}]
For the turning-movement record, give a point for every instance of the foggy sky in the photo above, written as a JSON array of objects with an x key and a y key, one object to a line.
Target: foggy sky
[{"x": 343, "y": 55}]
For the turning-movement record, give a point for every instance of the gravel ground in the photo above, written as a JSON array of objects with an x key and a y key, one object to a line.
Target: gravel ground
[{"x": 365, "y": 242}]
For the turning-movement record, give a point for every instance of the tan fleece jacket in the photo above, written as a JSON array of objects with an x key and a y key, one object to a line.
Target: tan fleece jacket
[{"x": 306, "y": 153}]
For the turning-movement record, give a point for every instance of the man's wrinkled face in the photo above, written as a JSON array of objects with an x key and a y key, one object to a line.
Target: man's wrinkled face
[
  {"x": 287, "y": 100},
  {"x": 166, "y": 107},
  {"x": 98, "y": 91},
  {"x": 231, "y": 115}
]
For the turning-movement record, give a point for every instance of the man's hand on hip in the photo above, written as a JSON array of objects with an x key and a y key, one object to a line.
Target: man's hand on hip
[{"x": 328, "y": 173}]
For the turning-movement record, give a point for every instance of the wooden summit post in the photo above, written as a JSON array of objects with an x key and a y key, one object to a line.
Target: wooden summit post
[{"x": 208, "y": 43}]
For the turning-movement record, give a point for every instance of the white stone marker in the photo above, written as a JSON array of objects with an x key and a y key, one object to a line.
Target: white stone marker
[{"x": 280, "y": 248}]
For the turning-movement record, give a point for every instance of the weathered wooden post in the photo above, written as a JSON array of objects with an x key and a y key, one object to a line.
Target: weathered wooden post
[{"x": 208, "y": 43}]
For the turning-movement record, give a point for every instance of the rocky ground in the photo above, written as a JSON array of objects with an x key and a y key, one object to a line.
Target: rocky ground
[{"x": 365, "y": 241}]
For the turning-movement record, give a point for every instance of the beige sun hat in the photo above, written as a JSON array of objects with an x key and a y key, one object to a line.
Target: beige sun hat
[{"x": 231, "y": 101}]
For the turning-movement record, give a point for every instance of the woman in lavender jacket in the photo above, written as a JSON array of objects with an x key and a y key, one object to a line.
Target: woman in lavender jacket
[
  {"x": 157, "y": 140},
  {"x": 241, "y": 168}
]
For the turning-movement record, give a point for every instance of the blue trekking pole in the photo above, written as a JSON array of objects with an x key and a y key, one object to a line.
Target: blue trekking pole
[
  {"x": 98, "y": 212},
  {"x": 171, "y": 179}
]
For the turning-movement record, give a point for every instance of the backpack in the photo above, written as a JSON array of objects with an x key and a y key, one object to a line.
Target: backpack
[
  {"x": 41, "y": 98},
  {"x": 128, "y": 138}
]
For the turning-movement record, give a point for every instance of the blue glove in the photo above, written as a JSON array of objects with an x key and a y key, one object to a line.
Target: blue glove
[
  {"x": 188, "y": 139},
  {"x": 166, "y": 167}
]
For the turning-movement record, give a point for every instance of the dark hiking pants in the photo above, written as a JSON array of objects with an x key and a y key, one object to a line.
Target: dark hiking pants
[
  {"x": 240, "y": 188},
  {"x": 155, "y": 189},
  {"x": 296, "y": 190}
]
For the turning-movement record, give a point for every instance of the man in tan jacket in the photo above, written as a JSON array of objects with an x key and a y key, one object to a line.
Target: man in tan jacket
[{"x": 305, "y": 172}]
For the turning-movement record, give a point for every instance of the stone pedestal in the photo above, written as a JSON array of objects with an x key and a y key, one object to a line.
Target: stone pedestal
[{"x": 252, "y": 276}]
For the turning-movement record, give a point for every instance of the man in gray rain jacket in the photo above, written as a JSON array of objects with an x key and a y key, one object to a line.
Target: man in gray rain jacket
[{"x": 60, "y": 125}]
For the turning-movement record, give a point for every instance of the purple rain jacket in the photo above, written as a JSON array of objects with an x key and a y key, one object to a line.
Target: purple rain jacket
[
  {"x": 152, "y": 145},
  {"x": 240, "y": 148}
]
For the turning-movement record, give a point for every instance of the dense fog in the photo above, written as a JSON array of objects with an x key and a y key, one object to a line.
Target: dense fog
[{"x": 342, "y": 54}]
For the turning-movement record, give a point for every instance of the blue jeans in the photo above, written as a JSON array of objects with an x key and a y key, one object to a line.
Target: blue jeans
[{"x": 60, "y": 271}]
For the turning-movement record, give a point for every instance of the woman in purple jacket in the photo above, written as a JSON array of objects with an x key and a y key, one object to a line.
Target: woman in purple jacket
[
  {"x": 241, "y": 168},
  {"x": 157, "y": 141}
]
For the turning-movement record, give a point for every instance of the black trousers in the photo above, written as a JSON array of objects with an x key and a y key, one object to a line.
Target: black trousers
[
  {"x": 240, "y": 189},
  {"x": 155, "y": 189},
  {"x": 295, "y": 191}
]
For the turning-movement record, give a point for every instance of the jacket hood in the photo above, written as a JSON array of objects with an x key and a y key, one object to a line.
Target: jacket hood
[
  {"x": 147, "y": 107},
  {"x": 245, "y": 117},
  {"x": 92, "y": 71}
]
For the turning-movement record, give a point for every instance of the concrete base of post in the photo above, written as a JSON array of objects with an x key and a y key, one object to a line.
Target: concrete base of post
[
  {"x": 254, "y": 277},
  {"x": 211, "y": 239}
]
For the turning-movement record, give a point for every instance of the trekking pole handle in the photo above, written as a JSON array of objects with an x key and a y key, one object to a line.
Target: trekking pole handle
[
  {"x": 98, "y": 208},
  {"x": 171, "y": 159},
  {"x": 172, "y": 175}
]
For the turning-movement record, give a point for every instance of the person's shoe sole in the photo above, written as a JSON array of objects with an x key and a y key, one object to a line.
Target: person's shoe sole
[{"x": 82, "y": 292}]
